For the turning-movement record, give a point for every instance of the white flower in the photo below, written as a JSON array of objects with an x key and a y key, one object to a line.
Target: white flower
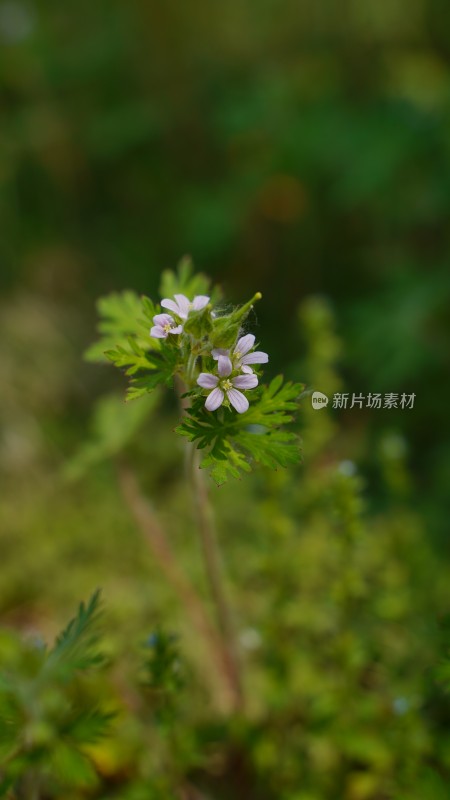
[
  {"x": 163, "y": 325},
  {"x": 241, "y": 357},
  {"x": 222, "y": 385},
  {"x": 181, "y": 306}
]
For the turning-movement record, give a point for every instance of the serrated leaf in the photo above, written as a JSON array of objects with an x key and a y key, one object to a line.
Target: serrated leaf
[
  {"x": 230, "y": 464},
  {"x": 133, "y": 358},
  {"x": 235, "y": 442},
  {"x": 140, "y": 387},
  {"x": 272, "y": 448},
  {"x": 147, "y": 365},
  {"x": 183, "y": 281},
  {"x": 123, "y": 316},
  {"x": 88, "y": 726},
  {"x": 73, "y": 646},
  {"x": 163, "y": 366}
]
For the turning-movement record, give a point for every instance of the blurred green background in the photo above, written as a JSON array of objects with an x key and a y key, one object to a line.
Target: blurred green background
[{"x": 300, "y": 149}]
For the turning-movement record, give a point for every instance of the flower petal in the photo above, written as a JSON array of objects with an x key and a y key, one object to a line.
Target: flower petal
[
  {"x": 207, "y": 380},
  {"x": 245, "y": 343},
  {"x": 184, "y": 305},
  {"x": 247, "y": 370},
  {"x": 237, "y": 400},
  {"x": 178, "y": 329},
  {"x": 224, "y": 366},
  {"x": 214, "y": 399},
  {"x": 163, "y": 319},
  {"x": 158, "y": 333},
  {"x": 258, "y": 357},
  {"x": 171, "y": 305},
  {"x": 199, "y": 302},
  {"x": 219, "y": 351},
  {"x": 245, "y": 381}
]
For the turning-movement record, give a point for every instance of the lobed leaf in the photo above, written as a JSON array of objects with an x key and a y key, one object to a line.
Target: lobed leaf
[
  {"x": 73, "y": 646},
  {"x": 183, "y": 281},
  {"x": 124, "y": 319},
  {"x": 234, "y": 442}
]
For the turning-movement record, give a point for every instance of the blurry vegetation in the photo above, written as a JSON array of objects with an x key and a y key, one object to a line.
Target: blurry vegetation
[
  {"x": 291, "y": 147},
  {"x": 301, "y": 149},
  {"x": 48, "y": 712},
  {"x": 340, "y": 611}
]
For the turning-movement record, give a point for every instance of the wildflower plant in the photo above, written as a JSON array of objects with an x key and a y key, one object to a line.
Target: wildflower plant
[
  {"x": 193, "y": 341},
  {"x": 203, "y": 348}
]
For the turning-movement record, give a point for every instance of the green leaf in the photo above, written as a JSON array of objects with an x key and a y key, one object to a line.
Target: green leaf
[
  {"x": 231, "y": 465},
  {"x": 71, "y": 767},
  {"x": 183, "y": 281},
  {"x": 159, "y": 365},
  {"x": 133, "y": 358},
  {"x": 114, "y": 425},
  {"x": 124, "y": 318},
  {"x": 90, "y": 725},
  {"x": 236, "y": 442},
  {"x": 163, "y": 365},
  {"x": 126, "y": 342},
  {"x": 74, "y": 645}
]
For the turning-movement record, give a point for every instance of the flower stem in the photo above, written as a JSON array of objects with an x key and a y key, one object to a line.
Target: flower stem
[
  {"x": 190, "y": 370},
  {"x": 147, "y": 521},
  {"x": 214, "y": 572}
]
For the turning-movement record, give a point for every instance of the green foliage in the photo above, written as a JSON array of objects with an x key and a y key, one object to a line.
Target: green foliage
[
  {"x": 226, "y": 327},
  {"x": 74, "y": 645},
  {"x": 125, "y": 320},
  {"x": 125, "y": 323},
  {"x": 49, "y": 709},
  {"x": 276, "y": 178},
  {"x": 338, "y": 589},
  {"x": 113, "y": 427},
  {"x": 295, "y": 152},
  {"x": 234, "y": 445},
  {"x": 235, "y": 442},
  {"x": 164, "y": 676},
  {"x": 123, "y": 328},
  {"x": 183, "y": 281}
]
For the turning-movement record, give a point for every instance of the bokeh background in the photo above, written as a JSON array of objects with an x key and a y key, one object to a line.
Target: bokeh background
[{"x": 301, "y": 149}]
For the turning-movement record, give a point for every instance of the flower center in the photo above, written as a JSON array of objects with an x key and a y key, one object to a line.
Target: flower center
[
  {"x": 237, "y": 354},
  {"x": 167, "y": 327},
  {"x": 226, "y": 385}
]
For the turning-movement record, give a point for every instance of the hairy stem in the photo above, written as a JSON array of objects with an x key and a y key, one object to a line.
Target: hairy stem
[
  {"x": 190, "y": 369},
  {"x": 147, "y": 521},
  {"x": 214, "y": 571}
]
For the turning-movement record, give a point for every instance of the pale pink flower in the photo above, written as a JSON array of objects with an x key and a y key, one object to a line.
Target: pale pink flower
[
  {"x": 222, "y": 385},
  {"x": 181, "y": 306},
  {"x": 163, "y": 325},
  {"x": 241, "y": 356}
]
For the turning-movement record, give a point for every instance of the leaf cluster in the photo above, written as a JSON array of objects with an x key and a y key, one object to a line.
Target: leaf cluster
[
  {"x": 164, "y": 676},
  {"x": 233, "y": 443},
  {"x": 114, "y": 425},
  {"x": 123, "y": 319},
  {"x": 124, "y": 324},
  {"x": 185, "y": 281},
  {"x": 49, "y": 707}
]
